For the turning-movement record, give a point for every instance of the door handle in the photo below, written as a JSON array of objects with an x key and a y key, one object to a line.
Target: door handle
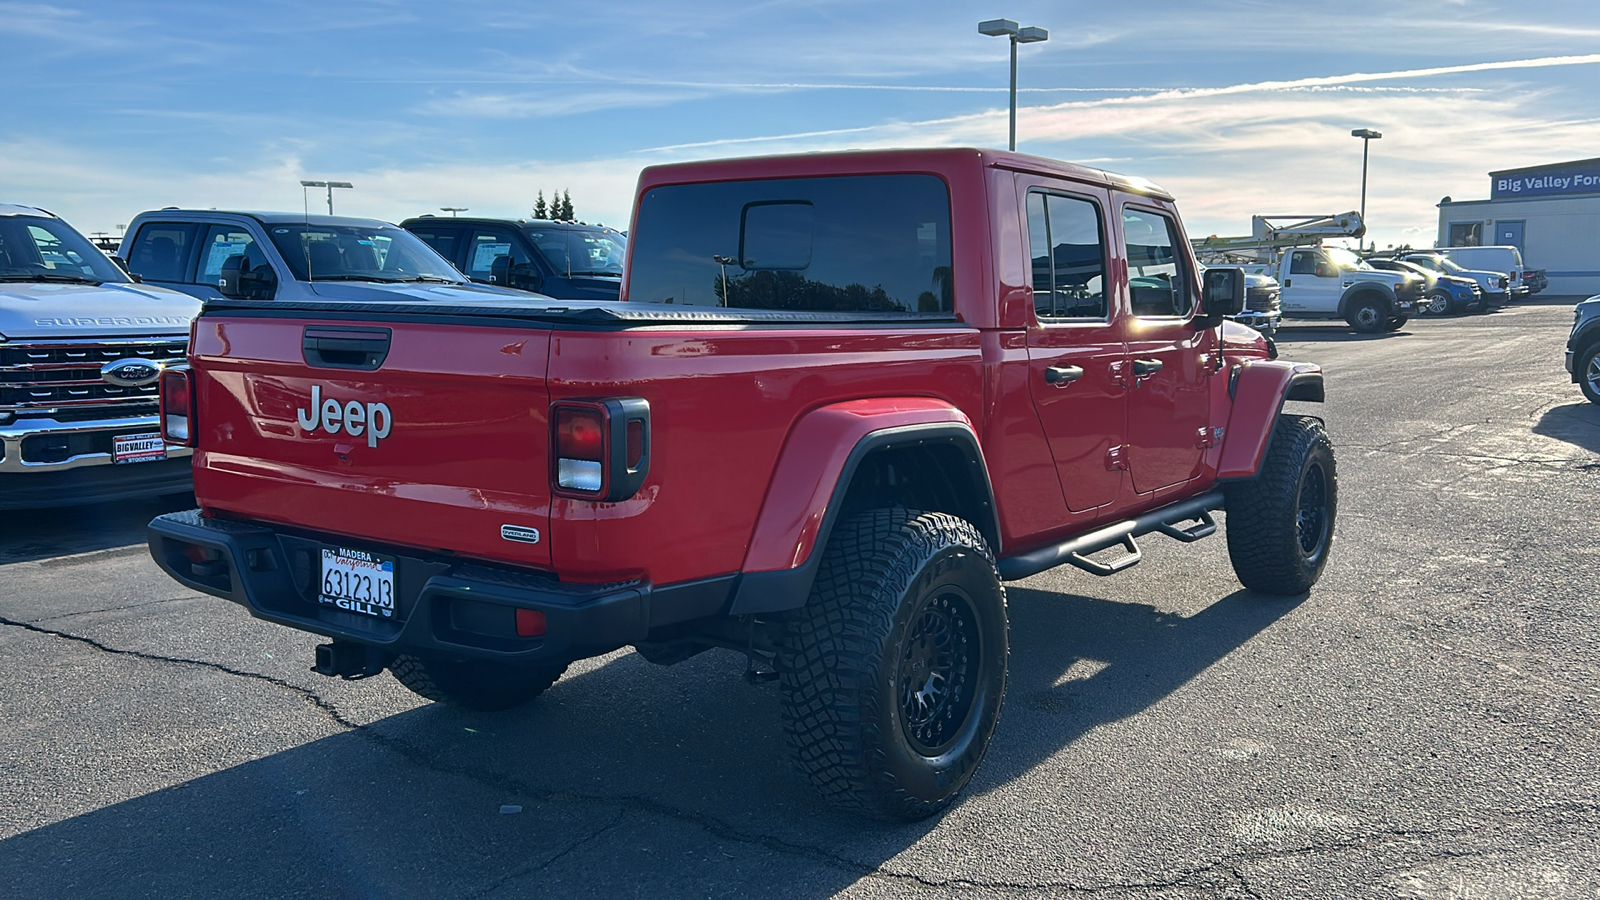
[
  {"x": 1062, "y": 374},
  {"x": 1144, "y": 368}
]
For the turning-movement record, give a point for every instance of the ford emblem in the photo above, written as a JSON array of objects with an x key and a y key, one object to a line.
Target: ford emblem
[{"x": 131, "y": 372}]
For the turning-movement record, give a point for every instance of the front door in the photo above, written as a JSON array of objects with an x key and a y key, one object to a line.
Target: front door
[
  {"x": 1075, "y": 349},
  {"x": 1509, "y": 233},
  {"x": 1169, "y": 361},
  {"x": 1313, "y": 284}
]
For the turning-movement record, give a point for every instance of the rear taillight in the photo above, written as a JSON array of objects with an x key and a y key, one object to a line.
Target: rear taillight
[
  {"x": 601, "y": 448},
  {"x": 177, "y": 407}
]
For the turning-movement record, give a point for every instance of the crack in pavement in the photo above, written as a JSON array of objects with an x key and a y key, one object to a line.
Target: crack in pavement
[
  {"x": 1225, "y": 864},
  {"x": 109, "y": 609},
  {"x": 535, "y": 869},
  {"x": 1554, "y": 465}
]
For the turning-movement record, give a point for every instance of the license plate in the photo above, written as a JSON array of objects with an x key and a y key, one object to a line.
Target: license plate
[
  {"x": 134, "y": 448},
  {"x": 357, "y": 581}
]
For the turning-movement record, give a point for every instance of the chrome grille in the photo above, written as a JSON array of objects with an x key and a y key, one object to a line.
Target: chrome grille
[{"x": 47, "y": 376}]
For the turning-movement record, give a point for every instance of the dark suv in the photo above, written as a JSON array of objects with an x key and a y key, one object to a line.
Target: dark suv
[{"x": 566, "y": 260}]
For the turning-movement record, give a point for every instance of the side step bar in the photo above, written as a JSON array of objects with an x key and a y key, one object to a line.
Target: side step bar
[{"x": 1076, "y": 550}]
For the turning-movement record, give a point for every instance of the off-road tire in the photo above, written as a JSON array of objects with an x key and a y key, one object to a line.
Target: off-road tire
[
  {"x": 1280, "y": 523},
  {"x": 1395, "y": 323},
  {"x": 1586, "y": 366},
  {"x": 899, "y": 596},
  {"x": 1367, "y": 313},
  {"x": 473, "y": 684}
]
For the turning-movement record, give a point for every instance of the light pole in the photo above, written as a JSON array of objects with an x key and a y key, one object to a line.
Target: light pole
[
  {"x": 1029, "y": 35},
  {"x": 330, "y": 185},
  {"x": 452, "y": 210},
  {"x": 1367, "y": 136}
]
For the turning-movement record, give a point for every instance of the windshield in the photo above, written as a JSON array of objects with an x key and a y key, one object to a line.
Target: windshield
[
  {"x": 39, "y": 248},
  {"x": 1345, "y": 259},
  {"x": 359, "y": 253},
  {"x": 1450, "y": 266},
  {"x": 581, "y": 251}
]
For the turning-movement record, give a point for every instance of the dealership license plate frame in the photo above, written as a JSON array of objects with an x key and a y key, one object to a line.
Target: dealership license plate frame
[
  {"x": 146, "y": 446},
  {"x": 375, "y": 599}
]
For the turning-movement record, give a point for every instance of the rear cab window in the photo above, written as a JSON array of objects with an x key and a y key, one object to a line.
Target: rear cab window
[{"x": 856, "y": 243}]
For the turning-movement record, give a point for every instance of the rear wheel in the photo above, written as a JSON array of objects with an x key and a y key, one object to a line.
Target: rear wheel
[
  {"x": 893, "y": 673},
  {"x": 474, "y": 684},
  {"x": 1588, "y": 369},
  {"x": 1280, "y": 523},
  {"x": 1367, "y": 313},
  {"x": 1395, "y": 323}
]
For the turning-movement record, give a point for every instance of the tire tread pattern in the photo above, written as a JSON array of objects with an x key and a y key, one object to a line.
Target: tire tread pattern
[{"x": 1263, "y": 543}]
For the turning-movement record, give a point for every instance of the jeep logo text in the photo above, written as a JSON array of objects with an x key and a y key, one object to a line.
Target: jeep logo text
[{"x": 354, "y": 419}]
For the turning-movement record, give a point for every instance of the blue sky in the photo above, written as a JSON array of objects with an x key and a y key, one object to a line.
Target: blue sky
[{"x": 110, "y": 108}]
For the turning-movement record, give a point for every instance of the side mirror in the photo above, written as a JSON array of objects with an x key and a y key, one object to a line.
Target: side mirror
[
  {"x": 1324, "y": 270},
  {"x": 1222, "y": 293},
  {"x": 526, "y": 277},
  {"x": 500, "y": 271},
  {"x": 230, "y": 283},
  {"x": 123, "y": 265}
]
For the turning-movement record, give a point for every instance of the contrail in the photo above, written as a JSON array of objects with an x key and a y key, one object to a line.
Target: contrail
[{"x": 1323, "y": 81}]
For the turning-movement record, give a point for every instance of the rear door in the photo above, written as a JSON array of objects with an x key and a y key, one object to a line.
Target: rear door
[
  {"x": 1075, "y": 342},
  {"x": 1169, "y": 361},
  {"x": 398, "y": 432}
]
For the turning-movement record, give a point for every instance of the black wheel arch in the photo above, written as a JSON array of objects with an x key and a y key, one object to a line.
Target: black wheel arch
[{"x": 933, "y": 467}]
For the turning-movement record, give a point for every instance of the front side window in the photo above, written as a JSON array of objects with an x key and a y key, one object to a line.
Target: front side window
[
  {"x": 358, "y": 253},
  {"x": 36, "y": 248},
  {"x": 221, "y": 243},
  {"x": 1304, "y": 262},
  {"x": 858, "y": 243},
  {"x": 485, "y": 248},
  {"x": 580, "y": 251},
  {"x": 1158, "y": 278},
  {"x": 1068, "y": 257}
]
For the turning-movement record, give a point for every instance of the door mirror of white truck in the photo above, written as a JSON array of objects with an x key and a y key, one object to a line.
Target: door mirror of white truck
[
  {"x": 1326, "y": 269},
  {"x": 1222, "y": 293}
]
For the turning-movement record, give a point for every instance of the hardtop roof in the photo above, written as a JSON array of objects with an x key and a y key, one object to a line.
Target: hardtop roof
[{"x": 863, "y": 162}]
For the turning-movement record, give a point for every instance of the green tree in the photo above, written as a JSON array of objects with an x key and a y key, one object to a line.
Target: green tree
[
  {"x": 540, "y": 211},
  {"x": 566, "y": 206}
]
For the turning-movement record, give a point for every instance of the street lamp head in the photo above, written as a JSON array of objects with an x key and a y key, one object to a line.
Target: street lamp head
[
  {"x": 1366, "y": 134},
  {"x": 997, "y": 28},
  {"x": 313, "y": 184},
  {"x": 1032, "y": 35},
  {"x": 340, "y": 184}
]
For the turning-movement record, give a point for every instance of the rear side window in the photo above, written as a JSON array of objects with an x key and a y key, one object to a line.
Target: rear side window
[
  {"x": 1065, "y": 239},
  {"x": 1158, "y": 278},
  {"x": 859, "y": 243},
  {"x": 442, "y": 240},
  {"x": 161, "y": 251}
]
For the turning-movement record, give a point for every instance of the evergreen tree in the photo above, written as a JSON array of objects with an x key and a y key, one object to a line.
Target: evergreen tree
[
  {"x": 566, "y": 206},
  {"x": 540, "y": 211}
]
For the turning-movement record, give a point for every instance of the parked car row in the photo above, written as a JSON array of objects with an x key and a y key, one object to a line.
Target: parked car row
[{"x": 84, "y": 336}]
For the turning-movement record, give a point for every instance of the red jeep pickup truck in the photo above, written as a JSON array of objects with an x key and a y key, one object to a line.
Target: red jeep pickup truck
[{"x": 843, "y": 398}]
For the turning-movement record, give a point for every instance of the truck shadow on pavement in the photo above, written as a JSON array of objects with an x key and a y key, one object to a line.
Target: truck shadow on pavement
[
  {"x": 626, "y": 779},
  {"x": 1576, "y": 423},
  {"x": 30, "y": 534}
]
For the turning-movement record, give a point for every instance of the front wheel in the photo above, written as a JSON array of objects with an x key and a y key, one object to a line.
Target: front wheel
[
  {"x": 473, "y": 684},
  {"x": 1280, "y": 523},
  {"x": 893, "y": 673},
  {"x": 1440, "y": 303},
  {"x": 1367, "y": 314},
  {"x": 1589, "y": 373}
]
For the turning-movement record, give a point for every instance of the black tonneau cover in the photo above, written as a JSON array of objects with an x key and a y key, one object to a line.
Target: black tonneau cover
[{"x": 552, "y": 313}]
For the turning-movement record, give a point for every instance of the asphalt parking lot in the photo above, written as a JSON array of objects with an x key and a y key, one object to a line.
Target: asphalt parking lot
[{"x": 1424, "y": 724}]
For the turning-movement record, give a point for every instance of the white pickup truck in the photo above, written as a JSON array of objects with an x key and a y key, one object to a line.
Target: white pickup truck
[
  {"x": 1334, "y": 283},
  {"x": 81, "y": 347}
]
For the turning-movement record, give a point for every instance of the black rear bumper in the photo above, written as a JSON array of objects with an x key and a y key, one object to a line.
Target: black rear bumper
[{"x": 444, "y": 607}]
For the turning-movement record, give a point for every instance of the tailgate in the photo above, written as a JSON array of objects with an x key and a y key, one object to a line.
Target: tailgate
[{"x": 422, "y": 434}]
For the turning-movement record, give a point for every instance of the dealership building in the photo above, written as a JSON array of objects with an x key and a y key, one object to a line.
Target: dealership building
[{"x": 1550, "y": 212}]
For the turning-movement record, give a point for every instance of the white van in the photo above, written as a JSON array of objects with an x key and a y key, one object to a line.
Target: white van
[{"x": 1493, "y": 259}]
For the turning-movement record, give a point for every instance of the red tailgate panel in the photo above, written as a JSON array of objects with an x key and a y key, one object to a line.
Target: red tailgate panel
[{"x": 468, "y": 450}]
